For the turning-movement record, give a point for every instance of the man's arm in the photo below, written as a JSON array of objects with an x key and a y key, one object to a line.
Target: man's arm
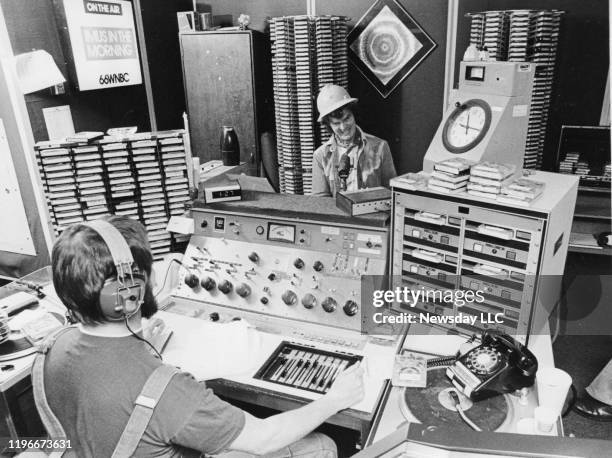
[{"x": 261, "y": 436}]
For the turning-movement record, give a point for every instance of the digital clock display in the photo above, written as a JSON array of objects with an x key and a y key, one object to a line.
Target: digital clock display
[
  {"x": 225, "y": 193},
  {"x": 281, "y": 233}
]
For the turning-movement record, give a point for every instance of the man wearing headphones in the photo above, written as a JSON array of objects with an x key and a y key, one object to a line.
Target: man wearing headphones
[{"x": 94, "y": 373}]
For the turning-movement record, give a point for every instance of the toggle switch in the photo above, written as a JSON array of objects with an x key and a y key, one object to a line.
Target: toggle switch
[
  {"x": 264, "y": 300},
  {"x": 298, "y": 263},
  {"x": 214, "y": 316},
  {"x": 318, "y": 266},
  {"x": 254, "y": 257}
]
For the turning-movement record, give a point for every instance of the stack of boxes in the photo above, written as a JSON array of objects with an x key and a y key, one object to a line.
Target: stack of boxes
[
  {"x": 307, "y": 53},
  {"x": 524, "y": 36},
  {"x": 142, "y": 176}
]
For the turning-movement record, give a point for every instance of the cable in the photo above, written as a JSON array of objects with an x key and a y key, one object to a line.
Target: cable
[
  {"x": 441, "y": 361},
  {"x": 166, "y": 276},
  {"x": 142, "y": 339},
  {"x": 455, "y": 397}
]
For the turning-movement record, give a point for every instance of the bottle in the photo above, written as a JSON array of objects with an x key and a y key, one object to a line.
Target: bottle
[{"x": 230, "y": 149}]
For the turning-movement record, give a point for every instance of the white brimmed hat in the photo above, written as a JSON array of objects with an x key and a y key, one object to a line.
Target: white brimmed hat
[{"x": 331, "y": 97}]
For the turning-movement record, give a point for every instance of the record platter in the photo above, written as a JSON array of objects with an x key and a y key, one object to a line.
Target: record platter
[{"x": 434, "y": 406}]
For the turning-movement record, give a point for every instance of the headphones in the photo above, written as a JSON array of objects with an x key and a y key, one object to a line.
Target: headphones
[{"x": 121, "y": 297}]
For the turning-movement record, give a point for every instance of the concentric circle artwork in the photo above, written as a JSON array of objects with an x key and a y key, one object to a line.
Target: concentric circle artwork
[{"x": 387, "y": 44}]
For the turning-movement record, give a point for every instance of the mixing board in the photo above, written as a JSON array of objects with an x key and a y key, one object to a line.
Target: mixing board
[{"x": 291, "y": 266}]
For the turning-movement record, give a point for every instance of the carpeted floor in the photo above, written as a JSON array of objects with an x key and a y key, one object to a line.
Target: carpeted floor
[{"x": 583, "y": 357}]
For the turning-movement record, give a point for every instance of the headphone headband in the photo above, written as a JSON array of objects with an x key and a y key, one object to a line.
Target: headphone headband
[{"x": 118, "y": 247}]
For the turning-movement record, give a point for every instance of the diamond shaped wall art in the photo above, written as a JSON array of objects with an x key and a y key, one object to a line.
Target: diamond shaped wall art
[{"x": 387, "y": 44}]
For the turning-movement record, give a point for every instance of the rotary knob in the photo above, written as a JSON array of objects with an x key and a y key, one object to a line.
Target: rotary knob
[
  {"x": 298, "y": 263},
  {"x": 309, "y": 301},
  {"x": 243, "y": 290},
  {"x": 226, "y": 286},
  {"x": 289, "y": 297},
  {"x": 350, "y": 308},
  {"x": 192, "y": 280},
  {"x": 208, "y": 283},
  {"x": 329, "y": 304},
  {"x": 318, "y": 266},
  {"x": 254, "y": 257}
]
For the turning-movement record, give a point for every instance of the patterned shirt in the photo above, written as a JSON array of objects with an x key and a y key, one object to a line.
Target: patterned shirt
[{"x": 371, "y": 165}]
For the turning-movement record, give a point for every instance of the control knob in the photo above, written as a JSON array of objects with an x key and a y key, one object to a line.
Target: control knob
[
  {"x": 192, "y": 280},
  {"x": 318, "y": 266},
  {"x": 208, "y": 283},
  {"x": 272, "y": 276},
  {"x": 329, "y": 304},
  {"x": 226, "y": 286},
  {"x": 254, "y": 257},
  {"x": 243, "y": 290},
  {"x": 298, "y": 263},
  {"x": 309, "y": 301},
  {"x": 350, "y": 308},
  {"x": 289, "y": 297},
  {"x": 214, "y": 316}
]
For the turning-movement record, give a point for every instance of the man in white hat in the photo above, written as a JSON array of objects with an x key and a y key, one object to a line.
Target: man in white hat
[{"x": 350, "y": 159}]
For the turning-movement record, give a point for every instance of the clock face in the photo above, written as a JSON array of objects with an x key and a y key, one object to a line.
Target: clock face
[{"x": 466, "y": 126}]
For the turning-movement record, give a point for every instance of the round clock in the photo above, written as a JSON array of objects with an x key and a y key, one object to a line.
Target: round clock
[{"x": 466, "y": 126}]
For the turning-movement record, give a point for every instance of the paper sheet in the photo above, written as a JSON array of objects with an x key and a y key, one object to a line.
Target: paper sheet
[
  {"x": 210, "y": 350},
  {"x": 58, "y": 121}
]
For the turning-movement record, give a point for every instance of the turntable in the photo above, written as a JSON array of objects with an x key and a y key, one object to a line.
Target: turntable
[{"x": 434, "y": 406}]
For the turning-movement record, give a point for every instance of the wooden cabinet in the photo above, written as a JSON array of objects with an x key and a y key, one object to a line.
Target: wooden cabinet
[{"x": 227, "y": 77}]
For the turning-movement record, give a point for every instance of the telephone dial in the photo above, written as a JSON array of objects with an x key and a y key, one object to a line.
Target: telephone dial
[{"x": 498, "y": 365}]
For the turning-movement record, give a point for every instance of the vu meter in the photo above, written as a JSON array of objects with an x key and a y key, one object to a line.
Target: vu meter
[{"x": 281, "y": 233}]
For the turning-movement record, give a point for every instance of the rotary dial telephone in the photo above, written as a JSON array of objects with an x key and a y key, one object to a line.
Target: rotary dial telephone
[{"x": 498, "y": 365}]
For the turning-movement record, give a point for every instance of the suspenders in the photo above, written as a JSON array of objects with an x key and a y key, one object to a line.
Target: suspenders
[{"x": 139, "y": 419}]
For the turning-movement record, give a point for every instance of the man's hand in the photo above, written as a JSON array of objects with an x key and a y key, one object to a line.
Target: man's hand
[
  {"x": 347, "y": 389},
  {"x": 265, "y": 436}
]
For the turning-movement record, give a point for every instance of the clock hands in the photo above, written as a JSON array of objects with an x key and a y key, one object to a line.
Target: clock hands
[{"x": 468, "y": 127}]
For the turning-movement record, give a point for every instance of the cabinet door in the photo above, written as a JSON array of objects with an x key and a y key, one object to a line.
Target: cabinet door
[{"x": 218, "y": 78}]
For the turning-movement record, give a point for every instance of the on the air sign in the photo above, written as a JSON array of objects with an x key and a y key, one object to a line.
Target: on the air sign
[
  {"x": 94, "y": 7},
  {"x": 103, "y": 40}
]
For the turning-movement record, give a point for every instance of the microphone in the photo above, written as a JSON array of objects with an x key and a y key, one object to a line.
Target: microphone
[{"x": 344, "y": 167}]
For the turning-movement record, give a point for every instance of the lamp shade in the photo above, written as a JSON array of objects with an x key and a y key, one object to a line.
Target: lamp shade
[{"x": 37, "y": 70}]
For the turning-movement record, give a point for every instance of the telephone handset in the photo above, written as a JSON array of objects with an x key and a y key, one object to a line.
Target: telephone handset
[{"x": 498, "y": 365}]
